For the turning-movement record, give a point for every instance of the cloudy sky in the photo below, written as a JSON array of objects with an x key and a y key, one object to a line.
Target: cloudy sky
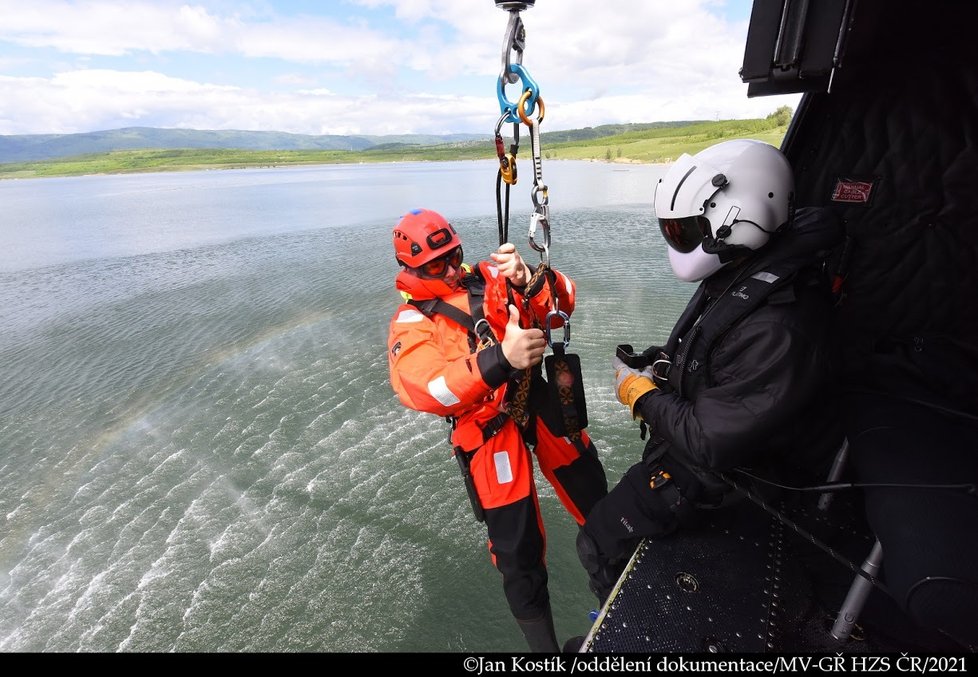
[{"x": 364, "y": 66}]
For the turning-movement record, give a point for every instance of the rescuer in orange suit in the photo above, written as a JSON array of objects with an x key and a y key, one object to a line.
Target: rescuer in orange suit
[{"x": 458, "y": 347}]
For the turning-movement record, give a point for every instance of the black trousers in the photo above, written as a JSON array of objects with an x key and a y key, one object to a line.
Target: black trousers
[
  {"x": 517, "y": 540},
  {"x": 631, "y": 511}
]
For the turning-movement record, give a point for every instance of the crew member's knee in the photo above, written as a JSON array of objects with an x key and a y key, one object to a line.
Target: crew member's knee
[{"x": 603, "y": 571}]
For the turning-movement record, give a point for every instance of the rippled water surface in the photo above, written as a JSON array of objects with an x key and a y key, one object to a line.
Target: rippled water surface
[{"x": 199, "y": 446}]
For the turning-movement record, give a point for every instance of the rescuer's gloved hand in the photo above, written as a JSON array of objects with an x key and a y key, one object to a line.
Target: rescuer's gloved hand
[{"x": 631, "y": 384}]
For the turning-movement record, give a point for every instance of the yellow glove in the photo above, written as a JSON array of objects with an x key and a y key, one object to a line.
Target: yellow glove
[{"x": 631, "y": 384}]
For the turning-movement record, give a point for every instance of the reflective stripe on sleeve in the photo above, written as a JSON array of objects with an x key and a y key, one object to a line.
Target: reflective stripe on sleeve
[
  {"x": 409, "y": 316},
  {"x": 568, "y": 285},
  {"x": 438, "y": 389}
]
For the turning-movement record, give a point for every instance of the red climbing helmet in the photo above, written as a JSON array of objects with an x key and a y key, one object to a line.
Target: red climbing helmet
[
  {"x": 426, "y": 246},
  {"x": 422, "y": 235}
]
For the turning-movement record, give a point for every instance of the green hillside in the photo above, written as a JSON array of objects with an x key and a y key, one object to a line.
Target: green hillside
[
  {"x": 665, "y": 145},
  {"x": 657, "y": 142}
]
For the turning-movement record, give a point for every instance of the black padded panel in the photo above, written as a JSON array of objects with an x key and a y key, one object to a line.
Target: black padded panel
[{"x": 909, "y": 319}]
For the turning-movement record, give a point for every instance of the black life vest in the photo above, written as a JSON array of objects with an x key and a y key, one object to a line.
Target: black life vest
[{"x": 706, "y": 320}]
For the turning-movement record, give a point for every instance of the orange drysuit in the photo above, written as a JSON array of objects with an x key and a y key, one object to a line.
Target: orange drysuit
[{"x": 438, "y": 366}]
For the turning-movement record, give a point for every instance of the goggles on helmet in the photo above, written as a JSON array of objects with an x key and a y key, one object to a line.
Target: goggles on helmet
[
  {"x": 685, "y": 234},
  {"x": 436, "y": 268}
]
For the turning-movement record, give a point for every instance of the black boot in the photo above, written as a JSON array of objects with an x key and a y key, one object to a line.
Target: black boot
[
  {"x": 539, "y": 633},
  {"x": 573, "y": 645}
]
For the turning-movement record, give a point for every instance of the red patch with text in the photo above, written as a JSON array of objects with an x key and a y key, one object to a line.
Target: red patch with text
[{"x": 853, "y": 191}]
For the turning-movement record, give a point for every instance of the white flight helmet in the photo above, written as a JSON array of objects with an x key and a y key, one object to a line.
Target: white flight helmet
[{"x": 714, "y": 206}]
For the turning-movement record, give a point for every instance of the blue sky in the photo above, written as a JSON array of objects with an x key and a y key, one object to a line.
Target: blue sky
[{"x": 364, "y": 66}]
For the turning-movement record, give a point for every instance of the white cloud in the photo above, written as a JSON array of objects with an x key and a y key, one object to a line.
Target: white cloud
[
  {"x": 92, "y": 99},
  {"x": 109, "y": 28},
  {"x": 117, "y": 28},
  {"x": 433, "y": 70}
]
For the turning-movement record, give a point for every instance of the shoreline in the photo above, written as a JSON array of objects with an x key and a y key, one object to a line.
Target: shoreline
[
  {"x": 647, "y": 147},
  {"x": 13, "y": 175}
]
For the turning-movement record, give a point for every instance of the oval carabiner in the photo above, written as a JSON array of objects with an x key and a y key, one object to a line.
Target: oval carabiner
[
  {"x": 540, "y": 195},
  {"x": 484, "y": 332},
  {"x": 539, "y": 218},
  {"x": 506, "y": 107},
  {"x": 507, "y": 160},
  {"x": 522, "y": 104},
  {"x": 549, "y": 322}
]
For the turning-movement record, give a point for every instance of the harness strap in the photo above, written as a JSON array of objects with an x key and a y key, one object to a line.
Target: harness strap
[
  {"x": 519, "y": 401},
  {"x": 481, "y": 336},
  {"x": 479, "y": 331},
  {"x": 565, "y": 379},
  {"x": 493, "y": 426}
]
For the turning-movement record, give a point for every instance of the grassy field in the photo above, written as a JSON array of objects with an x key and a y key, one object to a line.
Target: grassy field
[
  {"x": 665, "y": 145},
  {"x": 650, "y": 145}
]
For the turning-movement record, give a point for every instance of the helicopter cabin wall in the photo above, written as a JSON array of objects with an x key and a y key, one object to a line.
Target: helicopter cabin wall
[{"x": 893, "y": 148}]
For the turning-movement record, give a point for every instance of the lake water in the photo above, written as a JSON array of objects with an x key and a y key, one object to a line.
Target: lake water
[{"x": 199, "y": 446}]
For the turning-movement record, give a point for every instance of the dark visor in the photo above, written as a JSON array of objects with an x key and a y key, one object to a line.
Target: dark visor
[{"x": 685, "y": 234}]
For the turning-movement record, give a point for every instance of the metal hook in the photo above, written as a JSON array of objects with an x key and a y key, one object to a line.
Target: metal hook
[
  {"x": 549, "y": 322},
  {"x": 539, "y": 218},
  {"x": 514, "y": 41},
  {"x": 661, "y": 378}
]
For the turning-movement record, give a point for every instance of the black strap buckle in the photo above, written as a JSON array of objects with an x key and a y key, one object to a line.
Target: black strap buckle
[
  {"x": 493, "y": 426},
  {"x": 659, "y": 479}
]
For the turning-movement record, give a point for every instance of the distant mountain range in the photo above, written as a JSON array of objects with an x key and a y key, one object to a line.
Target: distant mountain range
[
  {"x": 33, "y": 147},
  {"x": 36, "y": 147}
]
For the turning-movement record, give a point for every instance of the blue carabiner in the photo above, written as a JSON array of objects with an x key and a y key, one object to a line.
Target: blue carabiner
[{"x": 508, "y": 108}]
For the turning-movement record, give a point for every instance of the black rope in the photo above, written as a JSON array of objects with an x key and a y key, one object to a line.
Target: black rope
[
  {"x": 970, "y": 489},
  {"x": 954, "y": 413},
  {"x": 502, "y": 217},
  {"x": 502, "y": 211},
  {"x": 808, "y": 536}
]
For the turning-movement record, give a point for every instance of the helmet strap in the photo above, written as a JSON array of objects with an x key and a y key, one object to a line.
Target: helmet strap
[{"x": 725, "y": 252}]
